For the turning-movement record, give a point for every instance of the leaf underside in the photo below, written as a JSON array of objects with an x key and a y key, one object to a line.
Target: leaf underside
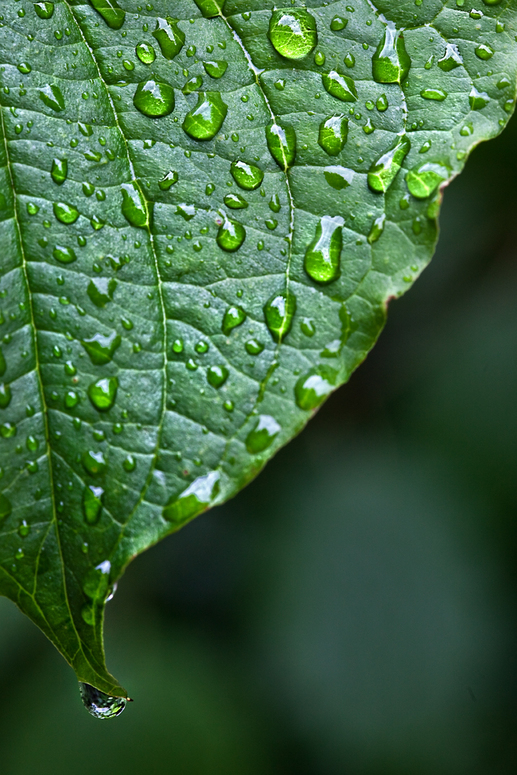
[{"x": 173, "y": 309}]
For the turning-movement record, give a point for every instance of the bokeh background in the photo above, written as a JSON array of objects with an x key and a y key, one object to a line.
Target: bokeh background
[{"x": 353, "y": 611}]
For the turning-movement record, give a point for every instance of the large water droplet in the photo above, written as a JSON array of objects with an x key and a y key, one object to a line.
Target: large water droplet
[
  {"x": 206, "y": 119},
  {"x": 231, "y": 235},
  {"x": 323, "y": 255},
  {"x": 235, "y": 201},
  {"x": 340, "y": 86},
  {"x": 193, "y": 500},
  {"x": 215, "y": 69},
  {"x": 451, "y": 59},
  {"x": 94, "y": 463},
  {"x": 65, "y": 213},
  {"x": 391, "y": 63},
  {"x": 103, "y": 393},
  {"x": 247, "y": 176},
  {"x": 192, "y": 84},
  {"x": 101, "y": 705},
  {"x": 100, "y": 348},
  {"x": 424, "y": 179},
  {"x": 44, "y": 9},
  {"x": 233, "y": 317},
  {"x": 281, "y": 141},
  {"x": 169, "y": 36},
  {"x": 263, "y": 434},
  {"x": 384, "y": 171},
  {"x": 293, "y": 32},
  {"x": 210, "y": 8},
  {"x": 145, "y": 52},
  {"x": 64, "y": 255},
  {"x": 134, "y": 208},
  {"x": 52, "y": 97},
  {"x": 5, "y": 507},
  {"x": 217, "y": 376},
  {"x": 333, "y": 134},
  {"x": 154, "y": 98},
  {"x": 313, "y": 387},
  {"x": 279, "y": 312},
  {"x": 110, "y": 11},
  {"x": 101, "y": 290},
  {"x": 484, "y": 52},
  {"x": 5, "y": 396},
  {"x": 92, "y": 504},
  {"x": 59, "y": 171}
]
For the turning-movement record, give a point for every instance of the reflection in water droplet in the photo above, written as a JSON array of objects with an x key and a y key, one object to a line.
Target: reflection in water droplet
[
  {"x": 103, "y": 393},
  {"x": 64, "y": 255},
  {"x": 5, "y": 507},
  {"x": 193, "y": 500},
  {"x": 263, "y": 434},
  {"x": 101, "y": 705},
  {"x": 134, "y": 208},
  {"x": 44, "y": 9},
  {"x": 154, "y": 98},
  {"x": 293, "y": 32},
  {"x": 323, "y": 255},
  {"x": 377, "y": 229},
  {"x": 340, "y": 86},
  {"x": 338, "y": 177},
  {"x": 169, "y": 36},
  {"x": 312, "y": 388},
  {"x": 146, "y": 53},
  {"x": 110, "y": 11},
  {"x": 217, "y": 376},
  {"x": 247, "y": 176},
  {"x": 215, "y": 69},
  {"x": 424, "y": 179},
  {"x": 333, "y": 134},
  {"x": 101, "y": 348},
  {"x": 281, "y": 141},
  {"x": 65, "y": 213},
  {"x": 391, "y": 63},
  {"x": 384, "y": 171},
  {"x": 206, "y": 119},
  {"x": 279, "y": 312},
  {"x": 52, "y": 97},
  {"x": 59, "y": 171},
  {"x": 92, "y": 504},
  {"x": 233, "y": 317},
  {"x": 451, "y": 59}
]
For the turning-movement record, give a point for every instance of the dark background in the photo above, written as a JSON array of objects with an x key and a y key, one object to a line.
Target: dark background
[{"x": 353, "y": 610}]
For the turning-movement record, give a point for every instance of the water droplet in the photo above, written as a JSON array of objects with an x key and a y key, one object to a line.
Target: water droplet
[
  {"x": 323, "y": 255},
  {"x": 64, "y": 255},
  {"x": 168, "y": 180},
  {"x": 424, "y": 179},
  {"x": 65, "y": 213},
  {"x": 3, "y": 364},
  {"x": 5, "y": 507},
  {"x": 377, "y": 229},
  {"x": 263, "y": 434},
  {"x": 313, "y": 388},
  {"x": 5, "y": 396},
  {"x": 338, "y": 177},
  {"x": 293, "y": 32},
  {"x": 231, "y": 235},
  {"x": 484, "y": 52},
  {"x": 169, "y": 36},
  {"x": 382, "y": 103},
  {"x": 71, "y": 399},
  {"x": 433, "y": 94},
  {"x": 383, "y": 172},
  {"x": 101, "y": 290},
  {"x": 478, "y": 100},
  {"x": 235, "y": 201},
  {"x": 233, "y": 317},
  {"x": 59, "y": 171},
  {"x": 129, "y": 464},
  {"x": 32, "y": 208},
  {"x": 193, "y": 500},
  {"x": 307, "y": 327},
  {"x": 97, "y": 703},
  {"x": 154, "y": 98},
  {"x": 96, "y": 581},
  {"x": 338, "y": 23},
  {"x": 333, "y": 134},
  {"x": 103, "y": 393},
  {"x": 206, "y": 119},
  {"x": 340, "y": 86},
  {"x": 349, "y": 60},
  {"x": 94, "y": 462},
  {"x": 100, "y": 348},
  {"x": 247, "y": 176},
  {"x": 52, "y": 97},
  {"x": 110, "y": 11},
  {"x": 146, "y": 53},
  {"x": 24, "y": 529},
  {"x": 279, "y": 312},
  {"x": 192, "y": 84},
  {"x": 391, "y": 63},
  {"x": 254, "y": 347},
  {"x": 319, "y": 58},
  {"x": 281, "y": 141},
  {"x": 134, "y": 208},
  {"x": 210, "y": 8},
  {"x": 44, "y": 10},
  {"x": 451, "y": 59},
  {"x": 215, "y": 69},
  {"x": 217, "y": 376},
  {"x": 92, "y": 504}
]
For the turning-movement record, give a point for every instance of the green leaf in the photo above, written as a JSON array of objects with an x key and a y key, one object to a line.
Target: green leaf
[{"x": 203, "y": 219}]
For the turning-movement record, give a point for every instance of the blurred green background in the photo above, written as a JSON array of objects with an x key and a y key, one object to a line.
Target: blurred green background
[{"x": 353, "y": 610}]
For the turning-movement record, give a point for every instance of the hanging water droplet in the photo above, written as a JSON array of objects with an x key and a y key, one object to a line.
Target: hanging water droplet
[
  {"x": 217, "y": 376},
  {"x": 168, "y": 180},
  {"x": 65, "y": 213},
  {"x": 101, "y": 290},
  {"x": 215, "y": 69},
  {"x": 433, "y": 94},
  {"x": 281, "y": 142},
  {"x": 210, "y": 8},
  {"x": 323, "y": 255},
  {"x": 383, "y": 172},
  {"x": 134, "y": 208},
  {"x": 44, "y": 10},
  {"x": 377, "y": 229},
  {"x": 59, "y": 171},
  {"x": 293, "y": 32},
  {"x": 101, "y": 348},
  {"x": 233, "y": 317},
  {"x": 94, "y": 463},
  {"x": 451, "y": 59},
  {"x": 52, "y": 97},
  {"x": 391, "y": 63},
  {"x": 5, "y": 507},
  {"x": 425, "y": 178},
  {"x": 338, "y": 177},
  {"x": 231, "y": 235},
  {"x": 110, "y": 11},
  {"x": 235, "y": 201},
  {"x": 263, "y": 434},
  {"x": 146, "y": 53},
  {"x": 333, "y": 134},
  {"x": 193, "y": 500},
  {"x": 313, "y": 387},
  {"x": 206, "y": 119},
  {"x": 340, "y": 86},
  {"x": 478, "y": 99},
  {"x": 279, "y": 312},
  {"x": 103, "y": 393},
  {"x": 101, "y": 705},
  {"x": 64, "y": 255},
  {"x": 154, "y": 98},
  {"x": 92, "y": 504},
  {"x": 247, "y": 176}
]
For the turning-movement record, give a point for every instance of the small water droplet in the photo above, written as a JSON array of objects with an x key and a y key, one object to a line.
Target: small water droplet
[
  {"x": 262, "y": 435},
  {"x": 215, "y": 69},
  {"x": 233, "y": 317},
  {"x": 235, "y": 201},
  {"x": 293, "y": 32},
  {"x": 196, "y": 498},
  {"x": 338, "y": 23},
  {"x": 231, "y": 235},
  {"x": 216, "y": 376},
  {"x": 377, "y": 229},
  {"x": 65, "y": 213},
  {"x": 340, "y": 86},
  {"x": 433, "y": 94},
  {"x": 129, "y": 464},
  {"x": 478, "y": 100},
  {"x": 484, "y": 52},
  {"x": 24, "y": 529},
  {"x": 382, "y": 173},
  {"x": 322, "y": 256},
  {"x": 5, "y": 507},
  {"x": 5, "y": 396},
  {"x": 307, "y": 327},
  {"x": 313, "y": 387},
  {"x": 59, "y": 171},
  {"x": 97, "y": 703},
  {"x": 279, "y": 312},
  {"x": 425, "y": 178},
  {"x": 254, "y": 347},
  {"x": 281, "y": 142},
  {"x": 206, "y": 119},
  {"x": 333, "y": 134},
  {"x": 168, "y": 180},
  {"x": 193, "y": 84},
  {"x": 101, "y": 290},
  {"x": 391, "y": 63},
  {"x": 146, "y": 53}
]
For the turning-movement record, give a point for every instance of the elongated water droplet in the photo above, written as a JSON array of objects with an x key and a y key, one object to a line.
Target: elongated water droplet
[
  {"x": 101, "y": 705},
  {"x": 210, "y": 8},
  {"x": 65, "y": 213},
  {"x": 59, "y": 171},
  {"x": 340, "y": 86},
  {"x": 215, "y": 69},
  {"x": 235, "y": 201},
  {"x": 338, "y": 177},
  {"x": 52, "y": 97},
  {"x": 333, "y": 134},
  {"x": 262, "y": 435},
  {"x": 94, "y": 463},
  {"x": 433, "y": 94},
  {"x": 293, "y": 32},
  {"x": 231, "y": 235},
  {"x": 279, "y": 312},
  {"x": 103, "y": 393},
  {"x": 100, "y": 348},
  {"x": 281, "y": 141},
  {"x": 44, "y": 10},
  {"x": 5, "y": 507},
  {"x": 110, "y": 11},
  {"x": 134, "y": 208},
  {"x": 313, "y": 387},
  {"x": 478, "y": 99},
  {"x": 217, "y": 376},
  {"x": 384, "y": 171},
  {"x": 451, "y": 59},
  {"x": 377, "y": 229},
  {"x": 169, "y": 36},
  {"x": 233, "y": 317},
  {"x": 146, "y": 53},
  {"x": 3, "y": 363},
  {"x": 96, "y": 581},
  {"x": 193, "y": 500},
  {"x": 101, "y": 290},
  {"x": 92, "y": 504},
  {"x": 64, "y": 255},
  {"x": 323, "y": 255},
  {"x": 425, "y": 178},
  {"x": 5, "y": 396},
  {"x": 206, "y": 119},
  {"x": 391, "y": 63},
  {"x": 169, "y": 180},
  {"x": 154, "y": 98},
  {"x": 71, "y": 399},
  {"x": 247, "y": 176}
]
